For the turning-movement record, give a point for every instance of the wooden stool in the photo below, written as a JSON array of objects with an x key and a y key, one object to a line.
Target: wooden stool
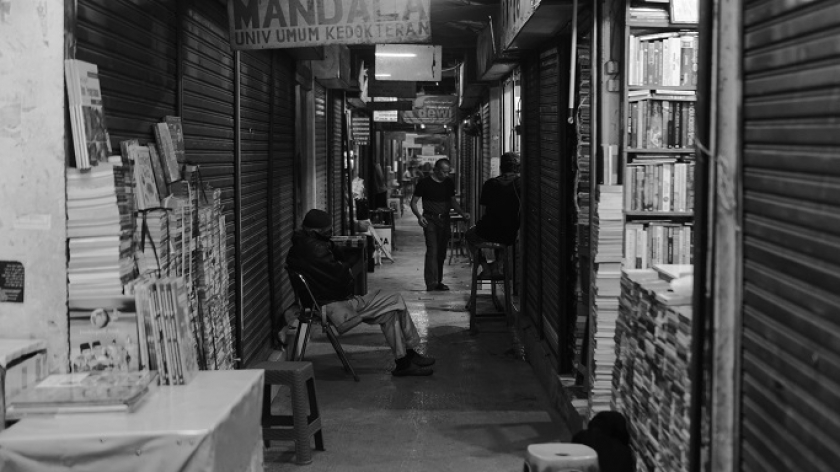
[
  {"x": 300, "y": 426},
  {"x": 504, "y": 253}
]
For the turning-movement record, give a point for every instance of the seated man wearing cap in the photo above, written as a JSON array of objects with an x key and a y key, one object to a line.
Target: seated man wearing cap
[
  {"x": 500, "y": 197},
  {"x": 328, "y": 271}
]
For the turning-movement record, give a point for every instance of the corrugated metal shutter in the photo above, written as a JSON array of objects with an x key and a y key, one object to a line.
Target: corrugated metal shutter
[
  {"x": 466, "y": 171},
  {"x": 283, "y": 171},
  {"x": 485, "y": 145},
  {"x": 208, "y": 87},
  {"x": 321, "y": 174},
  {"x": 550, "y": 195},
  {"x": 136, "y": 50},
  {"x": 790, "y": 382},
  {"x": 255, "y": 121},
  {"x": 337, "y": 182},
  {"x": 531, "y": 231}
]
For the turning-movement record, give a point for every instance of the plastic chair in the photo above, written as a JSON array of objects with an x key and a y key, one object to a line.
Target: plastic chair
[{"x": 311, "y": 310}]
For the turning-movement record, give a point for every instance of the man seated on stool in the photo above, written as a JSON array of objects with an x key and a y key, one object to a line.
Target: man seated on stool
[
  {"x": 328, "y": 270},
  {"x": 500, "y": 223}
]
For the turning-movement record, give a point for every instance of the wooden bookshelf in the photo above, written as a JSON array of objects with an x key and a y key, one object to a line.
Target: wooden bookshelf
[{"x": 660, "y": 71}]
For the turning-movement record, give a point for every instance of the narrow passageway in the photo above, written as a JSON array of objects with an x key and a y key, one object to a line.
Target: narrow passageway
[{"x": 478, "y": 412}]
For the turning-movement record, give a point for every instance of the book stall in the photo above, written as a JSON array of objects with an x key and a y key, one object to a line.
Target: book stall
[{"x": 148, "y": 315}]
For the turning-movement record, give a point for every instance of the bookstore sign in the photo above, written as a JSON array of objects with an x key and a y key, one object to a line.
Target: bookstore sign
[
  {"x": 262, "y": 24},
  {"x": 432, "y": 110}
]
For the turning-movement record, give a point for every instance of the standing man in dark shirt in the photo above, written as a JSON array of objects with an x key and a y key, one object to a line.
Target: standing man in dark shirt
[{"x": 438, "y": 194}]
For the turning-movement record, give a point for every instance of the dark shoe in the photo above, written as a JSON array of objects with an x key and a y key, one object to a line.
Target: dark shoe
[
  {"x": 442, "y": 287},
  {"x": 412, "y": 371},
  {"x": 419, "y": 359},
  {"x": 432, "y": 288}
]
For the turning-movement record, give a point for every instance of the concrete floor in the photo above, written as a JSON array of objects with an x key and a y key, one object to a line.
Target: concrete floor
[{"x": 478, "y": 412}]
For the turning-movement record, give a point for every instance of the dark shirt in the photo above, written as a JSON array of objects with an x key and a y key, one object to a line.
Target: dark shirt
[
  {"x": 501, "y": 199},
  {"x": 437, "y": 196},
  {"x": 613, "y": 455},
  {"x": 325, "y": 266}
]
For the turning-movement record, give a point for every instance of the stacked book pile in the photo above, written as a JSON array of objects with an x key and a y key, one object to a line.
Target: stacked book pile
[
  {"x": 582, "y": 182},
  {"x": 165, "y": 332},
  {"x": 99, "y": 229},
  {"x": 606, "y": 291},
  {"x": 91, "y": 143},
  {"x": 651, "y": 378}
]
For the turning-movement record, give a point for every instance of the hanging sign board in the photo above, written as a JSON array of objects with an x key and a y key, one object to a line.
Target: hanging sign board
[
  {"x": 396, "y": 105},
  {"x": 432, "y": 109},
  {"x": 261, "y": 24},
  {"x": 515, "y": 14},
  {"x": 391, "y": 88},
  {"x": 11, "y": 281},
  {"x": 388, "y": 116},
  {"x": 360, "y": 130}
]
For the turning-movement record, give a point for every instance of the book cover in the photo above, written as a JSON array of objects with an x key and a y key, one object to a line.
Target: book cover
[
  {"x": 146, "y": 192},
  {"x": 654, "y": 129},
  {"x": 159, "y": 171},
  {"x": 168, "y": 157},
  {"x": 176, "y": 131},
  {"x": 105, "y": 337},
  {"x": 91, "y": 140}
]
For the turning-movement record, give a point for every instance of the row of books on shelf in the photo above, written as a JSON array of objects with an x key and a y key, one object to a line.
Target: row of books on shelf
[
  {"x": 657, "y": 123},
  {"x": 657, "y": 242},
  {"x": 665, "y": 185},
  {"x": 666, "y": 59}
]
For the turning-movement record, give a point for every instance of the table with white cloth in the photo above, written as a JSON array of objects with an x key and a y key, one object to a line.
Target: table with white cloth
[{"x": 210, "y": 424}]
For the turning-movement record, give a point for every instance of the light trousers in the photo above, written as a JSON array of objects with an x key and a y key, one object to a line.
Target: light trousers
[{"x": 388, "y": 310}]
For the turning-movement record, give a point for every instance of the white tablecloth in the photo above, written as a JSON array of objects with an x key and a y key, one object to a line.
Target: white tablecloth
[{"x": 211, "y": 424}]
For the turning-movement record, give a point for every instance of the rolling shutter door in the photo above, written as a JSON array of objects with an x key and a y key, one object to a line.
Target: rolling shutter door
[
  {"x": 466, "y": 171},
  {"x": 208, "y": 116},
  {"x": 321, "y": 174},
  {"x": 283, "y": 196},
  {"x": 254, "y": 127},
  {"x": 790, "y": 385},
  {"x": 485, "y": 145},
  {"x": 136, "y": 51},
  {"x": 549, "y": 184},
  {"x": 336, "y": 177},
  {"x": 531, "y": 234}
]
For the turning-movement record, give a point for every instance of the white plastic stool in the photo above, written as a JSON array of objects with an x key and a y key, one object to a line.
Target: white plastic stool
[{"x": 560, "y": 457}]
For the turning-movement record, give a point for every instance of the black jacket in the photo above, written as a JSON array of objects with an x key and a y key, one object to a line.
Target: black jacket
[{"x": 325, "y": 266}]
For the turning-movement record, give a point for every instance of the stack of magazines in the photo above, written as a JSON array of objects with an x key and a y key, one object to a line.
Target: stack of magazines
[{"x": 166, "y": 336}]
